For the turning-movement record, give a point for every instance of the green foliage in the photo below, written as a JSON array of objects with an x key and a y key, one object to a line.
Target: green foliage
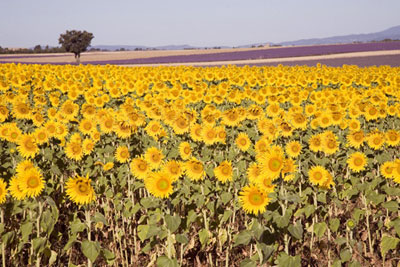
[{"x": 75, "y": 41}]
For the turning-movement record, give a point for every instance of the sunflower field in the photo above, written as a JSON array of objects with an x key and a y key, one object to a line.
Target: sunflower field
[{"x": 185, "y": 166}]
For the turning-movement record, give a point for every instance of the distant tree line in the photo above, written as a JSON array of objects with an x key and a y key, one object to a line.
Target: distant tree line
[{"x": 36, "y": 50}]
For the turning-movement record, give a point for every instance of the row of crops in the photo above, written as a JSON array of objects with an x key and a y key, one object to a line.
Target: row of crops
[{"x": 184, "y": 166}]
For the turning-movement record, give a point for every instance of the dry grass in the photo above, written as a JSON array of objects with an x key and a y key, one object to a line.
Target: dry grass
[{"x": 118, "y": 55}]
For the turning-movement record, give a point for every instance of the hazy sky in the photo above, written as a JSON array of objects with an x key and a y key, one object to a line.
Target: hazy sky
[{"x": 26, "y": 23}]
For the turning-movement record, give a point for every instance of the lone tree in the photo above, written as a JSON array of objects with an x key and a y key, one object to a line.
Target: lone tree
[{"x": 75, "y": 42}]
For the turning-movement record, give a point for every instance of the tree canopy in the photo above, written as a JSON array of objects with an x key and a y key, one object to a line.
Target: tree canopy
[{"x": 76, "y": 42}]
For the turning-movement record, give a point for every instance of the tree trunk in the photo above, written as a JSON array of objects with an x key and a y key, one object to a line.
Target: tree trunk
[{"x": 78, "y": 58}]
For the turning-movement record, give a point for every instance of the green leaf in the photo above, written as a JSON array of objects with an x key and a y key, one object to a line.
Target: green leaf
[
  {"x": 334, "y": 224},
  {"x": 39, "y": 244},
  {"x": 26, "y": 230},
  {"x": 172, "y": 222},
  {"x": 355, "y": 264},
  {"x": 48, "y": 220},
  {"x": 391, "y": 206},
  {"x": 243, "y": 238},
  {"x": 203, "y": 236},
  {"x": 388, "y": 243},
  {"x": 296, "y": 230},
  {"x": 308, "y": 210},
  {"x": 98, "y": 217},
  {"x": 142, "y": 232},
  {"x": 345, "y": 255},
  {"x": 226, "y": 197},
  {"x": 8, "y": 237},
  {"x": 164, "y": 261},
  {"x": 266, "y": 251},
  {"x": 53, "y": 257},
  {"x": 77, "y": 226},
  {"x": 319, "y": 229},
  {"x": 182, "y": 238},
  {"x": 282, "y": 221},
  {"x": 226, "y": 216},
  {"x": 149, "y": 203},
  {"x": 192, "y": 216},
  {"x": 90, "y": 249},
  {"x": 70, "y": 242},
  {"x": 108, "y": 254},
  {"x": 247, "y": 263},
  {"x": 288, "y": 261}
]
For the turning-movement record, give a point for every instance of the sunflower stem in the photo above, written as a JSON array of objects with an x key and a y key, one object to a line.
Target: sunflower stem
[
  {"x": 38, "y": 258},
  {"x": 87, "y": 214},
  {"x": 3, "y": 249}
]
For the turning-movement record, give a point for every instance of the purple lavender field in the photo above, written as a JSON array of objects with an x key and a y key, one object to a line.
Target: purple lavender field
[{"x": 268, "y": 53}]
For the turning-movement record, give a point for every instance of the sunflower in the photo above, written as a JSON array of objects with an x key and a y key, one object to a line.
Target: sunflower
[
  {"x": 293, "y": 149},
  {"x": 139, "y": 168},
  {"x": 231, "y": 117},
  {"x": 330, "y": 144},
  {"x": 253, "y": 200},
  {"x": 224, "y": 171},
  {"x": 41, "y": 136},
  {"x": 180, "y": 125},
  {"x": 14, "y": 133},
  {"x": 329, "y": 181},
  {"x": 387, "y": 169},
  {"x": 355, "y": 139},
  {"x": 123, "y": 129},
  {"x": 354, "y": 125},
  {"x": 3, "y": 191},
  {"x": 243, "y": 141},
  {"x": 392, "y": 138},
  {"x": 315, "y": 143},
  {"x": 87, "y": 126},
  {"x": 106, "y": 124},
  {"x": 299, "y": 121},
  {"x": 185, "y": 150},
  {"x": 79, "y": 190},
  {"x": 376, "y": 140},
  {"x": 318, "y": 175},
  {"x": 265, "y": 184},
  {"x": 153, "y": 129},
  {"x": 74, "y": 150},
  {"x": 30, "y": 182},
  {"x": 253, "y": 172},
  {"x": 289, "y": 166},
  {"x": 51, "y": 128},
  {"x": 194, "y": 169},
  {"x": 27, "y": 146},
  {"x": 221, "y": 134},
  {"x": 271, "y": 163},
  {"x": 371, "y": 113},
  {"x": 396, "y": 170},
  {"x": 196, "y": 132},
  {"x": 108, "y": 166},
  {"x": 122, "y": 154},
  {"x": 22, "y": 110},
  {"x": 15, "y": 190},
  {"x": 173, "y": 168},
  {"x": 209, "y": 135},
  {"x": 159, "y": 184},
  {"x": 24, "y": 166},
  {"x": 154, "y": 157},
  {"x": 357, "y": 161},
  {"x": 87, "y": 146},
  {"x": 325, "y": 120}
]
